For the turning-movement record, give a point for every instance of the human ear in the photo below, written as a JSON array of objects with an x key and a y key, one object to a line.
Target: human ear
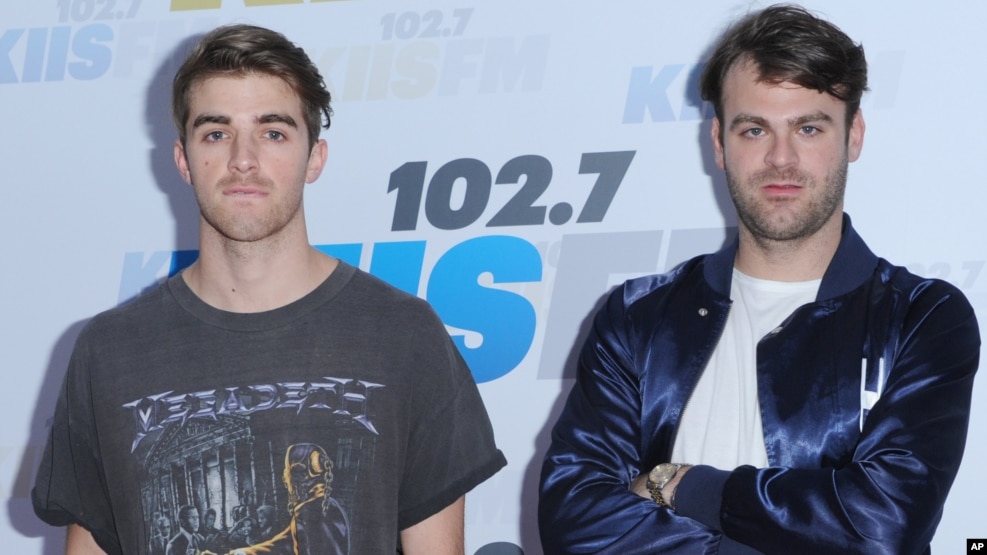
[
  {"x": 181, "y": 161},
  {"x": 717, "y": 137}
]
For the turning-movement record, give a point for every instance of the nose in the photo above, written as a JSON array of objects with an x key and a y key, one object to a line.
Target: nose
[
  {"x": 782, "y": 153},
  {"x": 243, "y": 157}
]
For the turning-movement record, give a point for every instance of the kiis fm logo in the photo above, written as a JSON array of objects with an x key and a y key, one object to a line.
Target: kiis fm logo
[
  {"x": 666, "y": 94},
  {"x": 95, "y": 38}
]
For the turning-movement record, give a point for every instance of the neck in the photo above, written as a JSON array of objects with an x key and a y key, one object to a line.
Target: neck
[
  {"x": 796, "y": 260},
  {"x": 256, "y": 276}
]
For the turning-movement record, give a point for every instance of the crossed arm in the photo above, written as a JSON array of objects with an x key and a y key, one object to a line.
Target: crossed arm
[{"x": 883, "y": 494}]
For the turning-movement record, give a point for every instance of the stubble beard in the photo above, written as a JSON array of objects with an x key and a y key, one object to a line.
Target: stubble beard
[
  {"x": 767, "y": 225},
  {"x": 238, "y": 228}
]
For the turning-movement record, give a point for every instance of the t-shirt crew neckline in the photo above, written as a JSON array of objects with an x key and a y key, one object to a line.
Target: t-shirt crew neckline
[{"x": 259, "y": 321}]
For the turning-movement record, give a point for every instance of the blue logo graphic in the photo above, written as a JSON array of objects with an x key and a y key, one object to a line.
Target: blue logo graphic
[
  {"x": 51, "y": 54},
  {"x": 648, "y": 94}
]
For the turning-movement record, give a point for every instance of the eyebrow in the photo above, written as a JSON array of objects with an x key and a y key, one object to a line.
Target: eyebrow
[
  {"x": 810, "y": 118},
  {"x": 224, "y": 120},
  {"x": 209, "y": 118},
  {"x": 793, "y": 122},
  {"x": 278, "y": 118}
]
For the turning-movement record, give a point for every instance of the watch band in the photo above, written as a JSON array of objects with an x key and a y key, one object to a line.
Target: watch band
[
  {"x": 658, "y": 478},
  {"x": 655, "y": 493}
]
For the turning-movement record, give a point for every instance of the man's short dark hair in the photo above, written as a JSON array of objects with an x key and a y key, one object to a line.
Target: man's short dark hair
[
  {"x": 240, "y": 50},
  {"x": 787, "y": 43}
]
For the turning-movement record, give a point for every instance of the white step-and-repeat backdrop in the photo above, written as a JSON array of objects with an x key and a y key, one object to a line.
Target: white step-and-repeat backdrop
[{"x": 509, "y": 161}]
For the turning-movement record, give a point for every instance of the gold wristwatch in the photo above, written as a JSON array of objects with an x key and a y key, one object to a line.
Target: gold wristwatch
[{"x": 659, "y": 477}]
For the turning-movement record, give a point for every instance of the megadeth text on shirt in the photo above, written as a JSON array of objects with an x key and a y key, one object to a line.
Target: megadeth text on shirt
[{"x": 343, "y": 397}]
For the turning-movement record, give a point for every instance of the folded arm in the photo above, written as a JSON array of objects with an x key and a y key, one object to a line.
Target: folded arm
[{"x": 887, "y": 497}]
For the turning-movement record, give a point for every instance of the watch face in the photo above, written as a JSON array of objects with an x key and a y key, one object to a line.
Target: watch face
[
  {"x": 655, "y": 475},
  {"x": 662, "y": 473}
]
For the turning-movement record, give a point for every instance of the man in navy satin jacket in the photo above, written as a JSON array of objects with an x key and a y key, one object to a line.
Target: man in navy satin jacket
[{"x": 792, "y": 393}]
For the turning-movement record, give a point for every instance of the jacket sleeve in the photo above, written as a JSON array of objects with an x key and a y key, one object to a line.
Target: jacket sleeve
[
  {"x": 585, "y": 503},
  {"x": 889, "y": 497}
]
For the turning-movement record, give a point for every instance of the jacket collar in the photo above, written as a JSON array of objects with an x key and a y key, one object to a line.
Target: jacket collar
[{"x": 852, "y": 265}]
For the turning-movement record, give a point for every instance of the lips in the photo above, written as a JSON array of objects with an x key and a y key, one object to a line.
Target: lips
[
  {"x": 781, "y": 191},
  {"x": 244, "y": 191},
  {"x": 245, "y": 187}
]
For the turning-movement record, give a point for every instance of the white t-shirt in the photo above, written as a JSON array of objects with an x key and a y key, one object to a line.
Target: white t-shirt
[{"x": 721, "y": 422}]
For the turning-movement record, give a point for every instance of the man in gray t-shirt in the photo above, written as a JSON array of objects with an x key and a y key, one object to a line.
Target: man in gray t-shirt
[{"x": 266, "y": 374}]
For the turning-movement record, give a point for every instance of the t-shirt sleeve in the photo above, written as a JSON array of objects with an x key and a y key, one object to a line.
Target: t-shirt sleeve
[
  {"x": 70, "y": 487},
  {"x": 451, "y": 447}
]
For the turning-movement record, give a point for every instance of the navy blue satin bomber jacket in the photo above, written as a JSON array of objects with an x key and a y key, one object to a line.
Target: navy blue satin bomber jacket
[{"x": 865, "y": 400}]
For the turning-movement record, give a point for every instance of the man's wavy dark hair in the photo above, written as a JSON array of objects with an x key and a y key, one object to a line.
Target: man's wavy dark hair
[
  {"x": 787, "y": 43},
  {"x": 240, "y": 50}
]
